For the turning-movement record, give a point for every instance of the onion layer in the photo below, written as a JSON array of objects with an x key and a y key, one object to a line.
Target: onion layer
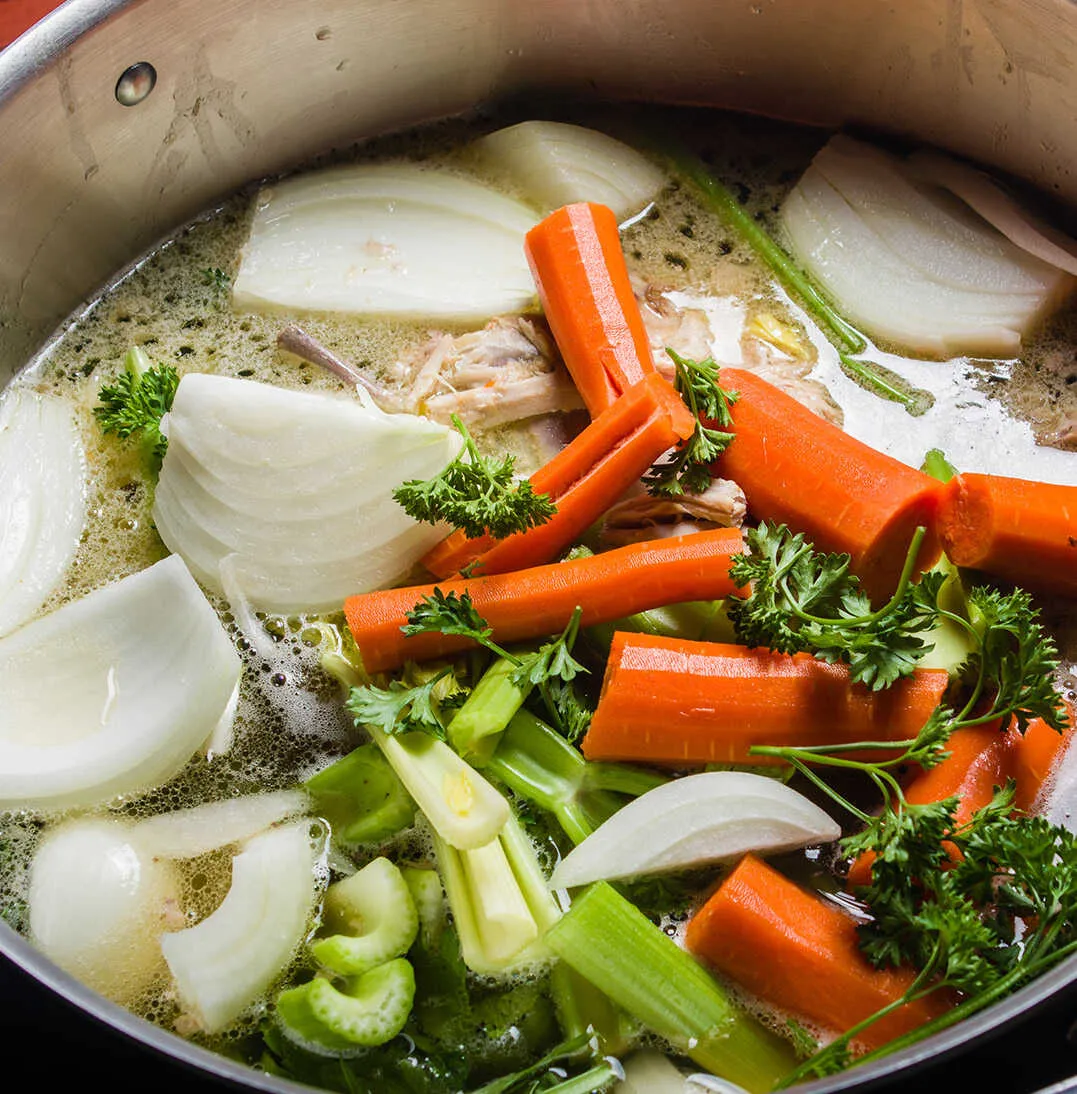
[
  {"x": 42, "y": 484},
  {"x": 555, "y": 164},
  {"x": 223, "y": 964},
  {"x": 97, "y": 905},
  {"x": 394, "y": 239},
  {"x": 113, "y": 693},
  {"x": 292, "y": 491},
  {"x": 910, "y": 264},
  {"x": 693, "y": 821}
]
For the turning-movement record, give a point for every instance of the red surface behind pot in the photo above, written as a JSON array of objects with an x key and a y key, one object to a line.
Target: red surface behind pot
[{"x": 17, "y": 16}]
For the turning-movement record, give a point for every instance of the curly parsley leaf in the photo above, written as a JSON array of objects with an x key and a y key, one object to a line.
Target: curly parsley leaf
[
  {"x": 400, "y": 707},
  {"x": 134, "y": 405},
  {"x": 807, "y": 600},
  {"x": 477, "y": 494},
  {"x": 1016, "y": 658},
  {"x": 689, "y": 470}
]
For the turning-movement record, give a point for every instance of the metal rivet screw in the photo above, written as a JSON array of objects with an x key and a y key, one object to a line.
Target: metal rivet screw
[{"x": 135, "y": 84}]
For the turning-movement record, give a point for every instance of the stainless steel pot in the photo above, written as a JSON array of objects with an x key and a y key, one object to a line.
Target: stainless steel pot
[{"x": 92, "y": 172}]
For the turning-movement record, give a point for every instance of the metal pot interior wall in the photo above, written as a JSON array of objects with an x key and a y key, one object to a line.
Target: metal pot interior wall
[{"x": 247, "y": 89}]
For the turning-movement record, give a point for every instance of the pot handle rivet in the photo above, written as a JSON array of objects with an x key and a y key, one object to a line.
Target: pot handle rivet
[{"x": 135, "y": 83}]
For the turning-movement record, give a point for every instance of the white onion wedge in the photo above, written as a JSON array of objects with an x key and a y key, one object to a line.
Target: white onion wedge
[
  {"x": 291, "y": 491},
  {"x": 97, "y": 904},
  {"x": 185, "y": 833},
  {"x": 225, "y": 963},
  {"x": 911, "y": 265},
  {"x": 554, "y": 164},
  {"x": 398, "y": 239},
  {"x": 983, "y": 194},
  {"x": 43, "y": 485},
  {"x": 692, "y": 821},
  {"x": 113, "y": 693}
]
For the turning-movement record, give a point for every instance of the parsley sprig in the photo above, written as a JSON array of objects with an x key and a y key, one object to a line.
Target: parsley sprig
[
  {"x": 402, "y": 707},
  {"x": 689, "y": 470},
  {"x": 1000, "y": 916},
  {"x": 476, "y": 493},
  {"x": 135, "y": 404},
  {"x": 807, "y": 600},
  {"x": 551, "y": 668}
]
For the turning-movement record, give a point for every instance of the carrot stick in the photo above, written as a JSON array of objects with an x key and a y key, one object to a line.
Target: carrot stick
[
  {"x": 583, "y": 480},
  {"x": 798, "y": 469},
  {"x": 981, "y": 759},
  {"x": 674, "y": 701},
  {"x": 540, "y": 600},
  {"x": 1036, "y": 753},
  {"x": 799, "y": 954},
  {"x": 579, "y": 269},
  {"x": 1023, "y": 531}
]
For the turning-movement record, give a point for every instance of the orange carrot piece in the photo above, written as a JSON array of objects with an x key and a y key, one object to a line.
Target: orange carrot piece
[
  {"x": 579, "y": 269},
  {"x": 1023, "y": 531},
  {"x": 583, "y": 480},
  {"x": 674, "y": 701},
  {"x": 799, "y": 954},
  {"x": 1036, "y": 753},
  {"x": 981, "y": 759},
  {"x": 795, "y": 468},
  {"x": 540, "y": 600}
]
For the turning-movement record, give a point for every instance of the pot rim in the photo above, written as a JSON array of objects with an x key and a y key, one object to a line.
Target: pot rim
[{"x": 20, "y": 62}]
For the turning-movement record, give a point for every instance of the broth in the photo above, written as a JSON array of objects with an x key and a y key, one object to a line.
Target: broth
[{"x": 290, "y": 722}]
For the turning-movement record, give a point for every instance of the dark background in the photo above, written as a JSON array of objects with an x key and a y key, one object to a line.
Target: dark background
[{"x": 65, "y": 1049}]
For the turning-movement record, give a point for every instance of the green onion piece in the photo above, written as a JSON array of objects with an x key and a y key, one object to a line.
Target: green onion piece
[{"x": 611, "y": 943}]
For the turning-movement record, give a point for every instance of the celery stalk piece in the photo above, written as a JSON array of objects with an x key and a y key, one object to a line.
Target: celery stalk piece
[
  {"x": 536, "y": 762},
  {"x": 361, "y": 797},
  {"x": 476, "y": 727},
  {"x": 502, "y": 917},
  {"x": 500, "y": 901},
  {"x": 429, "y": 899},
  {"x": 610, "y": 942},
  {"x": 371, "y": 917},
  {"x": 372, "y": 1010},
  {"x": 461, "y": 806},
  {"x": 583, "y": 1009}
]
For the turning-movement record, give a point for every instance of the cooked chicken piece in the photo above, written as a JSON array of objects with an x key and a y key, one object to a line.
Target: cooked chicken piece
[
  {"x": 1067, "y": 434},
  {"x": 502, "y": 400},
  {"x": 686, "y": 330},
  {"x": 640, "y": 516},
  {"x": 508, "y": 371}
]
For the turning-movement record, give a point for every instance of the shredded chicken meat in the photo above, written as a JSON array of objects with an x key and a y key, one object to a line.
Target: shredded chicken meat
[
  {"x": 507, "y": 372},
  {"x": 640, "y": 516}
]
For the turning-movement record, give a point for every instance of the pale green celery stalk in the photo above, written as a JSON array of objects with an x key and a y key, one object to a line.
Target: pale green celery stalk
[
  {"x": 583, "y": 1009},
  {"x": 536, "y": 762},
  {"x": 461, "y": 806},
  {"x": 845, "y": 338},
  {"x": 611, "y": 943},
  {"x": 499, "y": 899},
  {"x": 938, "y": 466},
  {"x": 952, "y": 642},
  {"x": 477, "y": 725},
  {"x": 696, "y": 620},
  {"x": 361, "y": 797}
]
